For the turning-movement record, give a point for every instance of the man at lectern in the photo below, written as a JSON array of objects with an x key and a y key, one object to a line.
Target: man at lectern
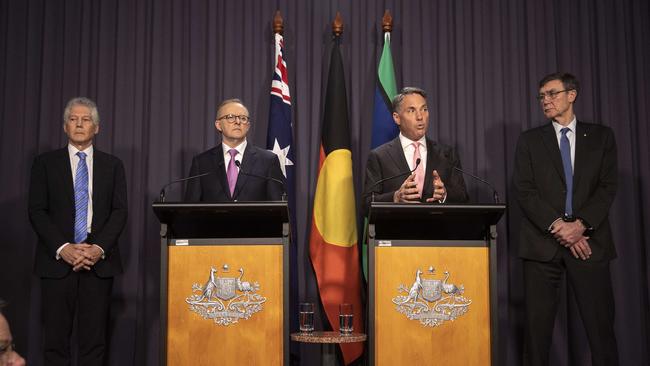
[
  {"x": 411, "y": 167},
  {"x": 565, "y": 178},
  {"x": 238, "y": 171},
  {"x": 78, "y": 208}
]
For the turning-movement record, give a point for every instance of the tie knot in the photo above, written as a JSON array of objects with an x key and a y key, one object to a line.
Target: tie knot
[
  {"x": 416, "y": 145},
  {"x": 81, "y": 155},
  {"x": 233, "y": 153},
  {"x": 565, "y": 130}
]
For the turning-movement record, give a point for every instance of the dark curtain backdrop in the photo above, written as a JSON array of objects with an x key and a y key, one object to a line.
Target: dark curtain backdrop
[{"x": 158, "y": 69}]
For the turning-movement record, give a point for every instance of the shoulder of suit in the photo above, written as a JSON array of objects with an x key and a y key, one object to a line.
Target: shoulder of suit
[
  {"x": 259, "y": 152},
  {"x": 381, "y": 149},
  {"x": 436, "y": 146},
  {"x": 593, "y": 126},
  {"x": 210, "y": 152},
  {"x": 106, "y": 156},
  {"x": 52, "y": 154},
  {"x": 536, "y": 131}
]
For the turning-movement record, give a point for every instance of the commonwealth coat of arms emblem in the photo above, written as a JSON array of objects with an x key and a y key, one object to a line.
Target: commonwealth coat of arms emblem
[
  {"x": 226, "y": 300},
  {"x": 431, "y": 301}
]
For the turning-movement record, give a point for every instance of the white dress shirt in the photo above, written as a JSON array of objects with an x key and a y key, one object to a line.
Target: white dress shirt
[
  {"x": 571, "y": 135},
  {"x": 226, "y": 155},
  {"x": 409, "y": 151}
]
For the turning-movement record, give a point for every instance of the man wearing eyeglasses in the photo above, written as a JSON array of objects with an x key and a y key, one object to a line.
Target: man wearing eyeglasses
[
  {"x": 565, "y": 179},
  {"x": 239, "y": 171}
]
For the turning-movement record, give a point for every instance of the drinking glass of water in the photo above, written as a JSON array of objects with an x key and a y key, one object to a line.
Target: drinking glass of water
[
  {"x": 306, "y": 319},
  {"x": 346, "y": 317}
]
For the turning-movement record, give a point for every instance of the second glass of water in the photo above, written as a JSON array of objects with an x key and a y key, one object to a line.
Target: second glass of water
[
  {"x": 306, "y": 319},
  {"x": 346, "y": 317}
]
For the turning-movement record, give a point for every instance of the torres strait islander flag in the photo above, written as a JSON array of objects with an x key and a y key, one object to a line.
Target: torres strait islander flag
[
  {"x": 333, "y": 239},
  {"x": 384, "y": 128}
]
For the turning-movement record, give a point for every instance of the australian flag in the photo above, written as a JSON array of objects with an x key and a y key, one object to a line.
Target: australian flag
[{"x": 279, "y": 139}]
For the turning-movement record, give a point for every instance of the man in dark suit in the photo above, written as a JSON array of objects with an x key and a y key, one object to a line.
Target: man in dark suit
[
  {"x": 238, "y": 170},
  {"x": 434, "y": 178},
  {"x": 565, "y": 179},
  {"x": 78, "y": 208}
]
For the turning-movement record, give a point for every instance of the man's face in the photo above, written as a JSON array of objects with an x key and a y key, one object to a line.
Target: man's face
[
  {"x": 234, "y": 132},
  {"x": 8, "y": 356},
  {"x": 556, "y": 103},
  {"x": 412, "y": 117},
  {"x": 80, "y": 127}
]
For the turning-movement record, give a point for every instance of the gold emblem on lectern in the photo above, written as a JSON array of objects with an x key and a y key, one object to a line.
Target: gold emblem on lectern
[
  {"x": 431, "y": 301},
  {"x": 226, "y": 300}
]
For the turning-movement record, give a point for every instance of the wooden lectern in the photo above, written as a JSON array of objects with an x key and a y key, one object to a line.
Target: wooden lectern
[
  {"x": 432, "y": 284},
  {"x": 224, "y": 283}
]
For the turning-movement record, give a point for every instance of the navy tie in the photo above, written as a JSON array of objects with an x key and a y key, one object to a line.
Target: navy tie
[
  {"x": 565, "y": 150},
  {"x": 81, "y": 200}
]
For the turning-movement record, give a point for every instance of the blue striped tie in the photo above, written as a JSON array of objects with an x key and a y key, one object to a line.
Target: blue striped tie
[
  {"x": 81, "y": 200},
  {"x": 565, "y": 150}
]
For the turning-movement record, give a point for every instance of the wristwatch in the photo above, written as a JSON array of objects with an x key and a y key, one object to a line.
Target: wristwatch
[{"x": 588, "y": 228}]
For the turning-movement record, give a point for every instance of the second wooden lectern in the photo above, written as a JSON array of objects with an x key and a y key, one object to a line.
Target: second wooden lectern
[
  {"x": 432, "y": 284},
  {"x": 224, "y": 283}
]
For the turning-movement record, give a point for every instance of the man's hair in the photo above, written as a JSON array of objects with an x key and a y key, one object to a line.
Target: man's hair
[
  {"x": 94, "y": 113},
  {"x": 2, "y": 305},
  {"x": 228, "y": 101},
  {"x": 569, "y": 81},
  {"x": 399, "y": 98}
]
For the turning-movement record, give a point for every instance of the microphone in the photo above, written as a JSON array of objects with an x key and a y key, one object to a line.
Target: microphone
[
  {"x": 281, "y": 183},
  {"x": 162, "y": 191},
  {"x": 417, "y": 164},
  {"x": 495, "y": 194}
]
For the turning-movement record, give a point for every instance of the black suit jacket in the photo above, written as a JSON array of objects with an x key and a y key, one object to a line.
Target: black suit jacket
[
  {"x": 540, "y": 188},
  {"x": 52, "y": 210},
  {"x": 388, "y": 160},
  {"x": 214, "y": 187}
]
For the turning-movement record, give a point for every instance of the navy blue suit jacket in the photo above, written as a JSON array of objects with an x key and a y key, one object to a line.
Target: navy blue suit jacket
[
  {"x": 214, "y": 187},
  {"x": 540, "y": 187},
  {"x": 388, "y": 160}
]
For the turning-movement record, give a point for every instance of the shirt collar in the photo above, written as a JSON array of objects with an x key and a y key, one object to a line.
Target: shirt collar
[
  {"x": 240, "y": 148},
  {"x": 405, "y": 141},
  {"x": 572, "y": 125},
  {"x": 72, "y": 151}
]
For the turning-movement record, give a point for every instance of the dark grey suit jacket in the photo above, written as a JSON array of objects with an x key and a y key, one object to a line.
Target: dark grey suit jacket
[
  {"x": 540, "y": 188},
  {"x": 214, "y": 187},
  {"x": 388, "y": 160},
  {"x": 52, "y": 210}
]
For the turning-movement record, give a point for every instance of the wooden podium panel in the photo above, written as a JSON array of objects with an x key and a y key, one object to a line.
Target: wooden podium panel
[
  {"x": 193, "y": 340},
  {"x": 401, "y": 341}
]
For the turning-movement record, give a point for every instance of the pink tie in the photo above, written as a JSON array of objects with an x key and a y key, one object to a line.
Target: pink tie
[
  {"x": 419, "y": 172},
  {"x": 232, "y": 171}
]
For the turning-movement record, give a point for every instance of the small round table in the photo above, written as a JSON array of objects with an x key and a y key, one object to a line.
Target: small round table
[{"x": 327, "y": 341}]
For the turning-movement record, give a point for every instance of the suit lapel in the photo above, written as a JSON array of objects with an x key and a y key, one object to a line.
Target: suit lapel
[
  {"x": 581, "y": 152},
  {"x": 247, "y": 162},
  {"x": 220, "y": 169},
  {"x": 396, "y": 153},
  {"x": 63, "y": 162},
  {"x": 433, "y": 160},
  {"x": 101, "y": 181},
  {"x": 553, "y": 149}
]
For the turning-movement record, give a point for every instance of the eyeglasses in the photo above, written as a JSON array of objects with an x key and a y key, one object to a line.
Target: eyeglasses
[
  {"x": 551, "y": 94},
  {"x": 231, "y": 118},
  {"x": 5, "y": 349}
]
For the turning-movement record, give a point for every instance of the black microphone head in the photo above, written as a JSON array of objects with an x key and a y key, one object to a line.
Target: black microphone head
[
  {"x": 238, "y": 163},
  {"x": 417, "y": 162}
]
